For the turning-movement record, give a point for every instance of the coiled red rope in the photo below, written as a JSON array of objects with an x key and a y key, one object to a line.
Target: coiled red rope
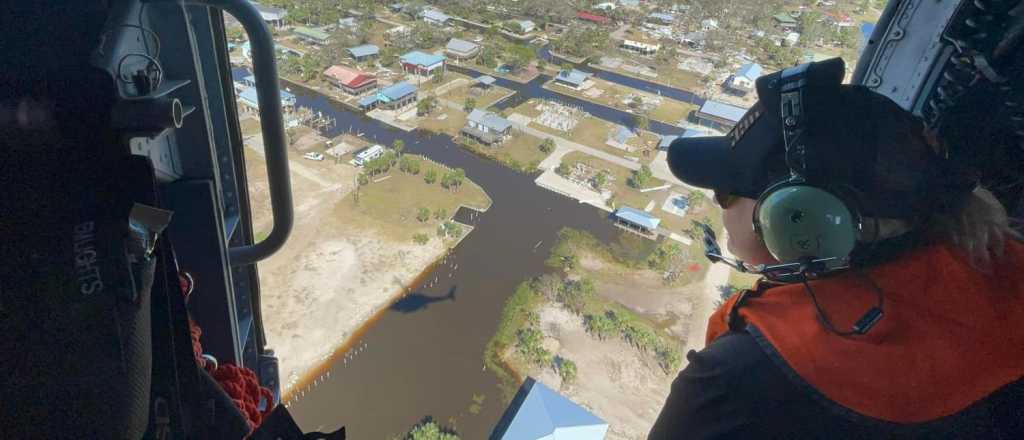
[{"x": 240, "y": 383}]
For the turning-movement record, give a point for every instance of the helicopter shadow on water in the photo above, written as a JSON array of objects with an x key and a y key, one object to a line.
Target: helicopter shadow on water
[{"x": 415, "y": 302}]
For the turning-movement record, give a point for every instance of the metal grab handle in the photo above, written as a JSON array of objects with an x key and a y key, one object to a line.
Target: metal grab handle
[{"x": 268, "y": 94}]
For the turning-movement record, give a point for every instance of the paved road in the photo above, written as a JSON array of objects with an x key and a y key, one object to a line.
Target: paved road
[{"x": 520, "y": 122}]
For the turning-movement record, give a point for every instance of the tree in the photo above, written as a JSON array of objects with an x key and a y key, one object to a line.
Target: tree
[
  {"x": 425, "y": 105},
  {"x": 640, "y": 178},
  {"x": 601, "y": 326},
  {"x": 547, "y": 146},
  {"x": 399, "y": 146},
  {"x": 453, "y": 179},
  {"x": 440, "y": 214},
  {"x": 636, "y": 102},
  {"x": 409, "y": 164},
  {"x": 563, "y": 169},
  {"x": 423, "y": 215},
  {"x": 430, "y": 430},
  {"x": 469, "y": 104},
  {"x": 548, "y": 285},
  {"x": 575, "y": 295},
  {"x": 567, "y": 370},
  {"x": 641, "y": 121},
  {"x": 420, "y": 238},
  {"x": 600, "y": 179},
  {"x": 695, "y": 199},
  {"x": 363, "y": 179},
  {"x": 430, "y": 177}
]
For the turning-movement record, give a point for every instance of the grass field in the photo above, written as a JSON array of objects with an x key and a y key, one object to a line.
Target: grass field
[
  {"x": 483, "y": 100},
  {"x": 521, "y": 152},
  {"x": 390, "y": 202},
  {"x": 594, "y": 132},
  {"x": 616, "y": 96},
  {"x": 444, "y": 120}
]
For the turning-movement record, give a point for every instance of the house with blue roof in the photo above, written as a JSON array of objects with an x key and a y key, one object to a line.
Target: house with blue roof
[
  {"x": 742, "y": 82},
  {"x": 540, "y": 413},
  {"x": 719, "y": 114},
  {"x": 392, "y": 97},
  {"x": 572, "y": 78},
  {"x": 250, "y": 100},
  {"x": 421, "y": 63},
  {"x": 486, "y": 127},
  {"x": 363, "y": 52},
  {"x": 636, "y": 220}
]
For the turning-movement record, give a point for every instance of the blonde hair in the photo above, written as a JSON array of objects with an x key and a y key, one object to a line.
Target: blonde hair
[{"x": 980, "y": 228}]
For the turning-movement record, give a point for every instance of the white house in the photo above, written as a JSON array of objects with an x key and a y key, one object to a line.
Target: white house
[
  {"x": 708, "y": 24},
  {"x": 791, "y": 39},
  {"x": 743, "y": 80},
  {"x": 274, "y": 17},
  {"x": 368, "y": 154},
  {"x": 640, "y": 47},
  {"x": 486, "y": 127},
  {"x": 606, "y": 6}
]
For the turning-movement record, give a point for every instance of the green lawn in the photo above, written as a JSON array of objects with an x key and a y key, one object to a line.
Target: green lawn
[
  {"x": 521, "y": 152},
  {"x": 594, "y": 132},
  {"x": 391, "y": 205},
  {"x": 483, "y": 99},
  {"x": 453, "y": 120}
]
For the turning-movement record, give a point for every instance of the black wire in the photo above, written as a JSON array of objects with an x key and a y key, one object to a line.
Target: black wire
[{"x": 823, "y": 318}]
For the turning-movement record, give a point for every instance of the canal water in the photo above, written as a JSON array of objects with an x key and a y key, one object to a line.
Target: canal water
[{"x": 424, "y": 356}]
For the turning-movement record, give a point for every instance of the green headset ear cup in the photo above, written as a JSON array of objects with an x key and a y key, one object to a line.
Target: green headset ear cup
[{"x": 797, "y": 221}]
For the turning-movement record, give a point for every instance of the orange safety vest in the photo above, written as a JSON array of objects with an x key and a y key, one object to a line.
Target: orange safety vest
[{"x": 951, "y": 335}]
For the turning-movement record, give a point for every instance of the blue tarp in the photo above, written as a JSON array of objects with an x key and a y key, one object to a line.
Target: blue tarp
[{"x": 751, "y": 71}]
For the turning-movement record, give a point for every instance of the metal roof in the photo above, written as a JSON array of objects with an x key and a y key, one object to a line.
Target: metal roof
[
  {"x": 637, "y": 217},
  {"x": 722, "y": 110},
  {"x": 461, "y": 46},
  {"x": 249, "y": 96},
  {"x": 545, "y": 414},
  {"x": 363, "y": 50},
  {"x": 600, "y": 19},
  {"x": 751, "y": 71},
  {"x": 270, "y": 12},
  {"x": 367, "y": 101},
  {"x": 349, "y": 76},
  {"x": 422, "y": 59},
  {"x": 315, "y": 34},
  {"x": 573, "y": 76},
  {"x": 485, "y": 80},
  {"x": 347, "y": 22},
  {"x": 434, "y": 15},
  {"x": 396, "y": 91},
  {"x": 784, "y": 18},
  {"x": 622, "y": 135},
  {"x": 667, "y": 18},
  {"x": 489, "y": 120}
]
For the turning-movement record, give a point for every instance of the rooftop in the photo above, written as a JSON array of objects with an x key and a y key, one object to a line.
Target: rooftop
[
  {"x": 722, "y": 110},
  {"x": 396, "y": 91},
  {"x": 363, "y": 50},
  {"x": 573, "y": 76},
  {"x": 489, "y": 120},
  {"x": 784, "y": 18},
  {"x": 485, "y": 80},
  {"x": 461, "y": 46},
  {"x": 661, "y": 16},
  {"x": 270, "y": 12},
  {"x": 545, "y": 414},
  {"x": 250, "y": 96},
  {"x": 434, "y": 15},
  {"x": 313, "y": 33},
  {"x": 599, "y": 19},
  {"x": 751, "y": 71},
  {"x": 637, "y": 217},
  {"x": 348, "y": 76},
  {"x": 423, "y": 59}
]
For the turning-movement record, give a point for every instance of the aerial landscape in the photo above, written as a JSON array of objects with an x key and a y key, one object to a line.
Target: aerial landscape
[{"x": 484, "y": 215}]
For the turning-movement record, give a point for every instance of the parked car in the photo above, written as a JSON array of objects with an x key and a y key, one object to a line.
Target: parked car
[{"x": 313, "y": 156}]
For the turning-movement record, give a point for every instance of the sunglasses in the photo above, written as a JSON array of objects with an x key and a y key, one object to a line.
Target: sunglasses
[{"x": 724, "y": 200}]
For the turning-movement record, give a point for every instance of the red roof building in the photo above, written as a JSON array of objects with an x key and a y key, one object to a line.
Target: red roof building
[
  {"x": 350, "y": 80},
  {"x": 593, "y": 18}
]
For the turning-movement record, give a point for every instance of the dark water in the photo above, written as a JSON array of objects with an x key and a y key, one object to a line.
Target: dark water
[{"x": 424, "y": 356}]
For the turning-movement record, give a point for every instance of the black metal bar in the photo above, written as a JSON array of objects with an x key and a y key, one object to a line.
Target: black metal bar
[{"x": 269, "y": 96}]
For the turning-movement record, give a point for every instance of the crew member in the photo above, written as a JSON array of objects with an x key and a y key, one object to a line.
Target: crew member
[{"x": 892, "y": 298}]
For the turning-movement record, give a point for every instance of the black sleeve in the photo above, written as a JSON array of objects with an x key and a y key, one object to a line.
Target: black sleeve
[{"x": 728, "y": 390}]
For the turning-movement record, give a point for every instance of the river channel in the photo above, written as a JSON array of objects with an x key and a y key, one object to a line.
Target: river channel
[{"x": 424, "y": 355}]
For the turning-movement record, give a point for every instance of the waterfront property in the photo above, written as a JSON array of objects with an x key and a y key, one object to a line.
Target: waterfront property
[
  {"x": 539, "y": 413},
  {"x": 521, "y": 26},
  {"x": 367, "y": 154},
  {"x": 484, "y": 82},
  {"x": 572, "y": 78},
  {"x": 349, "y": 80},
  {"x": 461, "y": 49},
  {"x": 720, "y": 113},
  {"x": 249, "y": 99},
  {"x": 742, "y": 81},
  {"x": 363, "y": 52},
  {"x": 272, "y": 16},
  {"x": 392, "y": 97},
  {"x": 421, "y": 63},
  {"x": 636, "y": 220},
  {"x": 486, "y": 127},
  {"x": 311, "y": 35}
]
